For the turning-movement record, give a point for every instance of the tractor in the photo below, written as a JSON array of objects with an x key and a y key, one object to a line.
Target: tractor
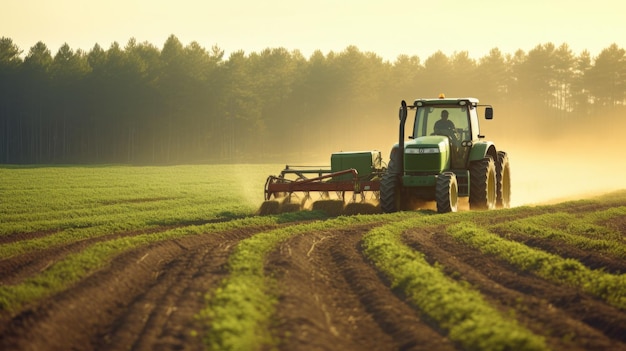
[{"x": 445, "y": 158}]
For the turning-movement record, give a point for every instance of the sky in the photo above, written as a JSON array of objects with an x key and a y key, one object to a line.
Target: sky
[{"x": 387, "y": 28}]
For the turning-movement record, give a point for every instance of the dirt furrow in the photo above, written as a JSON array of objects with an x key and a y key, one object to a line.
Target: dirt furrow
[
  {"x": 14, "y": 237},
  {"x": 14, "y": 270},
  {"x": 177, "y": 290},
  {"x": 617, "y": 223},
  {"x": 144, "y": 300},
  {"x": 570, "y": 319},
  {"x": 332, "y": 299}
]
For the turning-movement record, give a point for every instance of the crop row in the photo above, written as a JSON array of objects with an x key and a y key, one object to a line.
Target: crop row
[
  {"x": 609, "y": 287},
  {"x": 238, "y": 312},
  {"x": 109, "y": 200},
  {"x": 585, "y": 232},
  {"x": 76, "y": 266},
  {"x": 467, "y": 317},
  {"x": 239, "y": 309},
  {"x": 70, "y": 230}
]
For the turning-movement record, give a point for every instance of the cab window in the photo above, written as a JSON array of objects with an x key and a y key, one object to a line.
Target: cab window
[{"x": 427, "y": 116}]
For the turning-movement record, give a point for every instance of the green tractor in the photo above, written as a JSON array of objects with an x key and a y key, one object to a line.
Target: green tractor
[{"x": 445, "y": 158}]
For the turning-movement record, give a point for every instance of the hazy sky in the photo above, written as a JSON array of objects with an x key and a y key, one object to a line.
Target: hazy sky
[{"x": 388, "y": 28}]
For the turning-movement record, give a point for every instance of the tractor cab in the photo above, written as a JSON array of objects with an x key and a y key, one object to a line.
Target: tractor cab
[{"x": 455, "y": 119}]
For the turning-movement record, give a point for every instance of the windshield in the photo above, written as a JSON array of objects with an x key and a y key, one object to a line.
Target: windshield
[{"x": 451, "y": 117}]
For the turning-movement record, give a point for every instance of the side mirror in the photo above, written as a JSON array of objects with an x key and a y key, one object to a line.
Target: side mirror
[{"x": 489, "y": 112}]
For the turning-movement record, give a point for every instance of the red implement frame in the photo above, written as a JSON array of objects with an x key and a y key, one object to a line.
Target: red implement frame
[{"x": 324, "y": 183}]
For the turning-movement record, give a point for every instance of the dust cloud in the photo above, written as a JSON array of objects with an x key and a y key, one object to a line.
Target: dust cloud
[
  {"x": 556, "y": 159},
  {"x": 569, "y": 172}
]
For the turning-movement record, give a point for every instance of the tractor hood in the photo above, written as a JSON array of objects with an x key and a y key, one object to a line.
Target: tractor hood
[{"x": 427, "y": 155}]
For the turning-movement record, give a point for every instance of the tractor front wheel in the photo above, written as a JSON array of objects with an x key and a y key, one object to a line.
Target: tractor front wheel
[
  {"x": 447, "y": 193},
  {"x": 483, "y": 184}
]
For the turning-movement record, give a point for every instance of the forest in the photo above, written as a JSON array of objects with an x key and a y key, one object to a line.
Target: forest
[{"x": 182, "y": 104}]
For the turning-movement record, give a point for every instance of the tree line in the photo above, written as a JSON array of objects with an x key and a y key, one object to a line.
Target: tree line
[{"x": 184, "y": 103}]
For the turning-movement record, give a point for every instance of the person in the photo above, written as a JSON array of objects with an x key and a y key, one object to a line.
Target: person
[{"x": 444, "y": 125}]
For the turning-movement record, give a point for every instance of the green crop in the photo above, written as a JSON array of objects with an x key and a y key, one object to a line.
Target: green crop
[
  {"x": 238, "y": 312},
  {"x": 121, "y": 208},
  {"x": 59, "y": 198},
  {"x": 76, "y": 266},
  {"x": 609, "y": 287},
  {"x": 458, "y": 309},
  {"x": 77, "y": 203},
  {"x": 581, "y": 232}
]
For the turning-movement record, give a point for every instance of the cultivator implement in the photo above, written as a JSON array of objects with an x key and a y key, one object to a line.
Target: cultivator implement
[
  {"x": 352, "y": 180},
  {"x": 325, "y": 184}
]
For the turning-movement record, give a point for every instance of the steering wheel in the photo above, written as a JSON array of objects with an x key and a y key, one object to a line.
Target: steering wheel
[{"x": 450, "y": 133}]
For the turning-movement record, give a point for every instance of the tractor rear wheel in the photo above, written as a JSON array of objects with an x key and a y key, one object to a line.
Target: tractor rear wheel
[
  {"x": 389, "y": 188},
  {"x": 503, "y": 181},
  {"x": 447, "y": 193},
  {"x": 483, "y": 184}
]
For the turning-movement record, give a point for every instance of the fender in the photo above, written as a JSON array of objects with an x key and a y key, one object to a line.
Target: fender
[{"x": 482, "y": 149}]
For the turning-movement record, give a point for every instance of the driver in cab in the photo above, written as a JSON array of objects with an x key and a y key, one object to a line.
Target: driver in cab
[{"x": 444, "y": 125}]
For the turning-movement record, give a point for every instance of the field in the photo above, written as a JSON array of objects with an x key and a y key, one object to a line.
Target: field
[{"x": 163, "y": 258}]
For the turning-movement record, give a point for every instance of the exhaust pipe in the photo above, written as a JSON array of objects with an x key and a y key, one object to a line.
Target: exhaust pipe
[{"x": 402, "y": 115}]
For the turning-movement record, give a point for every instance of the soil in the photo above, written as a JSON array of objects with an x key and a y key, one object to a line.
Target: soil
[{"x": 330, "y": 296}]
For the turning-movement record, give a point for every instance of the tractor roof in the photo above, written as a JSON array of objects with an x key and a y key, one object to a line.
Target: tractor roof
[{"x": 446, "y": 101}]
